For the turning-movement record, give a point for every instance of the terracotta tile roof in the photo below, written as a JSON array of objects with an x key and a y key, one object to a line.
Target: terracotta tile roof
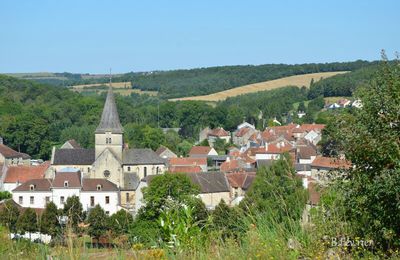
[
  {"x": 73, "y": 178},
  {"x": 219, "y": 132},
  {"x": 160, "y": 150},
  {"x": 91, "y": 185},
  {"x": 309, "y": 127},
  {"x": 305, "y": 152},
  {"x": 185, "y": 169},
  {"x": 240, "y": 179},
  {"x": 39, "y": 184},
  {"x": 330, "y": 163},
  {"x": 23, "y": 173},
  {"x": 229, "y": 166},
  {"x": 242, "y": 131},
  {"x": 200, "y": 150},
  {"x": 276, "y": 148},
  {"x": 187, "y": 161},
  {"x": 7, "y": 152}
]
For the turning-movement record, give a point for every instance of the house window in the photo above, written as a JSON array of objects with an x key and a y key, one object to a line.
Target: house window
[
  {"x": 98, "y": 187},
  {"x": 145, "y": 171},
  {"x": 88, "y": 169},
  {"x": 108, "y": 212},
  {"x": 127, "y": 197},
  {"x": 47, "y": 199},
  {"x": 157, "y": 169},
  {"x": 62, "y": 200},
  {"x": 129, "y": 168},
  {"x": 107, "y": 200},
  {"x": 92, "y": 201},
  {"x": 65, "y": 183},
  {"x": 32, "y": 200},
  {"x": 20, "y": 199}
]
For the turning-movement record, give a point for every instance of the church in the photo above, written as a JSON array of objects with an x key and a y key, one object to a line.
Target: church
[{"x": 110, "y": 159}]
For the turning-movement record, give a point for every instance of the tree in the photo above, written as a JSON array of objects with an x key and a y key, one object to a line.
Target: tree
[
  {"x": 370, "y": 138},
  {"x": 226, "y": 220},
  {"x": 50, "y": 220},
  {"x": 9, "y": 215},
  {"x": 5, "y": 195},
  {"x": 301, "y": 107},
  {"x": 74, "y": 211},
  {"x": 277, "y": 192},
  {"x": 27, "y": 222},
  {"x": 184, "y": 148},
  {"x": 97, "y": 220},
  {"x": 120, "y": 221}
]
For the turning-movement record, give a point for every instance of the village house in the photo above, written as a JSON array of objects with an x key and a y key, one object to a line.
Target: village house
[
  {"x": 202, "y": 152},
  {"x": 165, "y": 153},
  {"x": 9, "y": 156},
  {"x": 239, "y": 183},
  {"x": 14, "y": 176},
  {"x": 325, "y": 169},
  {"x": 188, "y": 162},
  {"x": 213, "y": 134},
  {"x": 37, "y": 193},
  {"x": 241, "y": 136}
]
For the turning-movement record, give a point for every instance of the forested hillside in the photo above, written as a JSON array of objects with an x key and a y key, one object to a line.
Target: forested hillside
[{"x": 179, "y": 83}]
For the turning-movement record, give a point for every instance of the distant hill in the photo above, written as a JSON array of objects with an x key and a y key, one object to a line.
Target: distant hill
[
  {"x": 202, "y": 81},
  {"x": 298, "y": 81}
]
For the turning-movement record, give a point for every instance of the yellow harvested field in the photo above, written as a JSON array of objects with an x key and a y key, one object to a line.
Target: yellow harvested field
[
  {"x": 127, "y": 84},
  {"x": 298, "y": 80}
]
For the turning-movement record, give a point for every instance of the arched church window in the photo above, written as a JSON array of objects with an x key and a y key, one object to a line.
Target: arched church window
[
  {"x": 145, "y": 171},
  {"x": 106, "y": 173}
]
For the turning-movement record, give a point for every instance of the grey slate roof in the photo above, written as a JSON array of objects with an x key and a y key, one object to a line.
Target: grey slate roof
[
  {"x": 110, "y": 119},
  {"x": 74, "y": 156},
  {"x": 266, "y": 163},
  {"x": 141, "y": 156},
  {"x": 210, "y": 182}
]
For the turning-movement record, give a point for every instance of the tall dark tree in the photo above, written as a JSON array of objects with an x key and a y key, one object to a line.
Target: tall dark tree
[
  {"x": 27, "y": 222},
  {"x": 120, "y": 221},
  {"x": 50, "y": 223},
  {"x": 98, "y": 222},
  {"x": 74, "y": 211},
  {"x": 9, "y": 215}
]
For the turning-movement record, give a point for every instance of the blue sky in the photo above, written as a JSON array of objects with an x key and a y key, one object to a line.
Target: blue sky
[{"x": 92, "y": 36}]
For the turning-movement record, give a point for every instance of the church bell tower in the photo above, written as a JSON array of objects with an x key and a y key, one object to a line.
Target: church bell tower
[{"x": 109, "y": 133}]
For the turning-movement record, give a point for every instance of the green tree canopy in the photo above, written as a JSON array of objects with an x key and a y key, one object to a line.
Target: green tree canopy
[
  {"x": 27, "y": 222},
  {"x": 50, "y": 220},
  {"x": 9, "y": 215},
  {"x": 97, "y": 220}
]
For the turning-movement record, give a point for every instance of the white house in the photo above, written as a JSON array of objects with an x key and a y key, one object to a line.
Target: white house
[{"x": 38, "y": 192}]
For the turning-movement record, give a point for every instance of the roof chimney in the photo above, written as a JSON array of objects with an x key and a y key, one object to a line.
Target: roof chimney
[{"x": 1, "y": 140}]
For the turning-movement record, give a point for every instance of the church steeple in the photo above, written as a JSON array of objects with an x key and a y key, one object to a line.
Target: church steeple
[
  {"x": 109, "y": 133},
  {"x": 110, "y": 119}
]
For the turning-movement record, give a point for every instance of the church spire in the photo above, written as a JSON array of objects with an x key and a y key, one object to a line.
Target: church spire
[{"x": 110, "y": 119}]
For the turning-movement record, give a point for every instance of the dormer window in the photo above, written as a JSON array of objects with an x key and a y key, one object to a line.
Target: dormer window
[
  {"x": 66, "y": 184},
  {"x": 32, "y": 187},
  {"x": 98, "y": 187}
]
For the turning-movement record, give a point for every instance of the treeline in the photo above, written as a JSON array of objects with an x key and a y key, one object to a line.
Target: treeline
[
  {"x": 201, "y": 81},
  {"x": 193, "y": 82}
]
